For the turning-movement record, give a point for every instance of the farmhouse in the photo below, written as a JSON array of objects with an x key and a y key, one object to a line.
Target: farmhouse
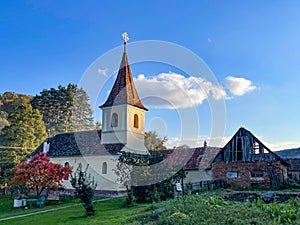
[
  {"x": 294, "y": 169},
  {"x": 246, "y": 162}
]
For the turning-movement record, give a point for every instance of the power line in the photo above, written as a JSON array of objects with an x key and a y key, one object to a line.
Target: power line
[{"x": 10, "y": 147}]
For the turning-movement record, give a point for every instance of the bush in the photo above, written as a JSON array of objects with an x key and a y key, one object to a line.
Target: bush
[
  {"x": 84, "y": 188},
  {"x": 290, "y": 183},
  {"x": 279, "y": 212}
]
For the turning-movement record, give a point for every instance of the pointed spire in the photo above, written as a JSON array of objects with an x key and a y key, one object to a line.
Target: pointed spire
[{"x": 123, "y": 91}]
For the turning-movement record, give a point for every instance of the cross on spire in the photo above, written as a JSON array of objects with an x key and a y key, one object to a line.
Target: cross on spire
[{"x": 125, "y": 37}]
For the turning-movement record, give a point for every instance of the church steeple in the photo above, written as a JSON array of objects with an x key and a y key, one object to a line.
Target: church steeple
[
  {"x": 123, "y": 114},
  {"x": 124, "y": 91}
]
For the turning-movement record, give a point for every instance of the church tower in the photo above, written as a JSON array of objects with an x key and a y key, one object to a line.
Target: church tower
[{"x": 123, "y": 114}]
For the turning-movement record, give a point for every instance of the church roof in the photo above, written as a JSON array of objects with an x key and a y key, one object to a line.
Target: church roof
[
  {"x": 82, "y": 143},
  {"x": 123, "y": 91}
]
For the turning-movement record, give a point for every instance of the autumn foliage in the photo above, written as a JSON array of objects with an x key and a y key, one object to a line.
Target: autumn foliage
[{"x": 39, "y": 173}]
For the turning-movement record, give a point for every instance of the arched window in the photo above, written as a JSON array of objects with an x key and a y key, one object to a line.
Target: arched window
[
  {"x": 66, "y": 177},
  {"x": 136, "y": 121},
  {"x": 104, "y": 168},
  {"x": 114, "y": 120}
]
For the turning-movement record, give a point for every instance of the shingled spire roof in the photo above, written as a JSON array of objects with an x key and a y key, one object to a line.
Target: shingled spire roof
[{"x": 123, "y": 91}]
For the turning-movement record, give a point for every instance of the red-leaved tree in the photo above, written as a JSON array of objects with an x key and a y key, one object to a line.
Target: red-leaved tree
[{"x": 39, "y": 173}]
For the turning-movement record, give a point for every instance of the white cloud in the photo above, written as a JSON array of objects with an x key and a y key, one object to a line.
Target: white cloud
[
  {"x": 102, "y": 72},
  {"x": 282, "y": 145},
  {"x": 171, "y": 90},
  {"x": 238, "y": 85},
  {"x": 198, "y": 142}
]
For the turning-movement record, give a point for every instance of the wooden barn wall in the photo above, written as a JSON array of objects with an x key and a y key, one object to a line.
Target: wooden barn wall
[{"x": 250, "y": 150}]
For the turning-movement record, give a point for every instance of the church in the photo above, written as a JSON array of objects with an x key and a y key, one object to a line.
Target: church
[{"x": 123, "y": 125}]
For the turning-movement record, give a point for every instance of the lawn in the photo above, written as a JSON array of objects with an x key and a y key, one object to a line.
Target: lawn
[
  {"x": 107, "y": 212},
  {"x": 7, "y": 210},
  {"x": 204, "y": 209}
]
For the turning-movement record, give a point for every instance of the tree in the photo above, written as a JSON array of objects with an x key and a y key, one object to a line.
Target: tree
[
  {"x": 64, "y": 109},
  {"x": 184, "y": 146},
  {"x": 55, "y": 106},
  {"x": 98, "y": 126},
  {"x": 82, "y": 114},
  {"x": 124, "y": 172},
  {"x": 10, "y": 101},
  {"x": 3, "y": 120},
  {"x": 85, "y": 186},
  {"x": 26, "y": 128},
  {"x": 25, "y": 132},
  {"x": 39, "y": 173},
  {"x": 158, "y": 182},
  {"x": 154, "y": 142}
]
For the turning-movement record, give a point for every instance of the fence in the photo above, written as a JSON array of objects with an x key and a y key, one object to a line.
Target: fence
[{"x": 209, "y": 185}]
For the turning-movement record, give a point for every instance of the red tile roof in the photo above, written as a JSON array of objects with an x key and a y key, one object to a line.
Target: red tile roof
[
  {"x": 123, "y": 91},
  {"x": 191, "y": 158}
]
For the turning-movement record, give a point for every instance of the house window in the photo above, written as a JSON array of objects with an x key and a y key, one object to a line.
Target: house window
[
  {"x": 136, "y": 121},
  {"x": 104, "y": 168},
  {"x": 114, "y": 120},
  {"x": 257, "y": 175},
  {"x": 232, "y": 175}
]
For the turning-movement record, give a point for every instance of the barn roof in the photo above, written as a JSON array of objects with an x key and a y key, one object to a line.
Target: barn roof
[
  {"x": 244, "y": 132},
  {"x": 78, "y": 144},
  {"x": 295, "y": 164}
]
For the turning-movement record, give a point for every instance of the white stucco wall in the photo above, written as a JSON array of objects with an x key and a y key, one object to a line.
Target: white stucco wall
[
  {"x": 125, "y": 132},
  {"x": 194, "y": 176},
  {"x": 104, "y": 181}
]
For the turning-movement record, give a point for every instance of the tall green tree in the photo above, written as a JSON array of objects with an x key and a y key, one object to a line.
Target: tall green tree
[
  {"x": 26, "y": 128},
  {"x": 64, "y": 109},
  {"x": 25, "y": 132},
  {"x": 3, "y": 120},
  {"x": 10, "y": 101},
  {"x": 55, "y": 106},
  {"x": 154, "y": 142},
  {"x": 82, "y": 114}
]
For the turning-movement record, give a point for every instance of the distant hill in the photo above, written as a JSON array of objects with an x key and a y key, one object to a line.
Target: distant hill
[{"x": 289, "y": 153}]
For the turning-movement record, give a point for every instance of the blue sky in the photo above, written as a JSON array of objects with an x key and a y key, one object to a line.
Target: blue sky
[{"x": 48, "y": 43}]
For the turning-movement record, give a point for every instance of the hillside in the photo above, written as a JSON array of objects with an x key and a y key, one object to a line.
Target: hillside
[{"x": 289, "y": 153}]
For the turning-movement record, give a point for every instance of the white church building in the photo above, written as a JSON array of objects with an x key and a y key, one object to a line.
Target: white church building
[{"x": 123, "y": 124}]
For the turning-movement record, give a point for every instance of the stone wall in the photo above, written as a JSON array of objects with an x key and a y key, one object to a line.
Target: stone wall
[{"x": 273, "y": 174}]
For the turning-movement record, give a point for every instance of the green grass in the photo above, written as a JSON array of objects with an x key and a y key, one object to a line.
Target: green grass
[
  {"x": 7, "y": 209},
  {"x": 204, "y": 209},
  {"x": 209, "y": 208},
  {"x": 107, "y": 212}
]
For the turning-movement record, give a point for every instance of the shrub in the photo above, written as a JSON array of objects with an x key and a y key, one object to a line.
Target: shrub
[
  {"x": 280, "y": 212},
  {"x": 84, "y": 188}
]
